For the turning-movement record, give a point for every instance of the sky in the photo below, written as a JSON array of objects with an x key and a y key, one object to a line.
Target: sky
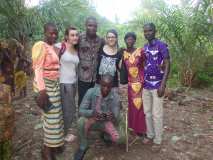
[{"x": 122, "y": 9}]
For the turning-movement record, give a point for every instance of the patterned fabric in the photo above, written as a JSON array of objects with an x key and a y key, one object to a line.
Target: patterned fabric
[
  {"x": 155, "y": 53},
  {"x": 134, "y": 64},
  {"x": 108, "y": 64},
  {"x": 46, "y": 69},
  {"x": 88, "y": 53},
  {"x": 53, "y": 119}
]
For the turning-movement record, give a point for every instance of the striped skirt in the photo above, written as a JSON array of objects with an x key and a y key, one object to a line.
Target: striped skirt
[{"x": 53, "y": 124}]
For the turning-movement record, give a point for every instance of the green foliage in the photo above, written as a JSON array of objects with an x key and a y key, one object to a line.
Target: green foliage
[{"x": 187, "y": 29}]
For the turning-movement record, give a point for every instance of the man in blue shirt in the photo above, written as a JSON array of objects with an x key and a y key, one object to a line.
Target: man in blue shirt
[{"x": 156, "y": 71}]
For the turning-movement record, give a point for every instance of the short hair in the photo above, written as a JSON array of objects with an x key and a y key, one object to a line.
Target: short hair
[
  {"x": 107, "y": 77},
  {"x": 150, "y": 24},
  {"x": 91, "y": 18},
  {"x": 130, "y": 34},
  {"x": 49, "y": 24}
]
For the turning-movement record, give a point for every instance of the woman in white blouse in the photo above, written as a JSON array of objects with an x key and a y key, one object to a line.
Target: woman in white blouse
[{"x": 69, "y": 60}]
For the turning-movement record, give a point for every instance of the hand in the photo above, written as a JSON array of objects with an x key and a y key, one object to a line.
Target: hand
[
  {"x": 109, "y": 116},
  {"x": 42, "y": 99},
  {"x": 161, "y": 90},
  {"x": 99, "y": 116}
]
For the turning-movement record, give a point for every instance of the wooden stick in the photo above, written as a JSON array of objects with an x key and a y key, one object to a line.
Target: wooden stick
[{"x": 127, "y": 136}]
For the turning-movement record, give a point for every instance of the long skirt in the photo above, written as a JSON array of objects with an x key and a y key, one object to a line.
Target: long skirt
[
  {"x": 53, "y": 124},
  {"x": 136, "y": 116}
]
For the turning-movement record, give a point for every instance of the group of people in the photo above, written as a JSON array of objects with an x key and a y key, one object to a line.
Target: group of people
[{"x": 96, "y": 66}]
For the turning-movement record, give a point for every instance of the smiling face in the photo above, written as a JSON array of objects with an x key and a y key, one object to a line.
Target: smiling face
[
  {"x": 111, "y": 39},
  {"x": 149, "y": 32},
  {"x": 130, "y": 42},
  {"x": 51, "y": 34},
  {"x": 72, "y": 36}
]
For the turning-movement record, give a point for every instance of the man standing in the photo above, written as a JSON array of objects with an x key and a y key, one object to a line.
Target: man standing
[
  {"x": 89, "y": 46},
  {"x": 156, "y": 70},
  {"x": 100, "y": 110}
]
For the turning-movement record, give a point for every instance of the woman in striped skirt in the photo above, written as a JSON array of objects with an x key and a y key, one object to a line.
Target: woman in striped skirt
[{"x": 46, "y": 86}]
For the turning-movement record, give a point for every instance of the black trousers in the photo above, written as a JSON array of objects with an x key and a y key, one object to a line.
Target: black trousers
[{"x": 82, "y": 89}]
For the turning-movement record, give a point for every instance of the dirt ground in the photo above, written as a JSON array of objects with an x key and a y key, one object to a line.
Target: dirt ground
[{"x": 188, "y": 131}]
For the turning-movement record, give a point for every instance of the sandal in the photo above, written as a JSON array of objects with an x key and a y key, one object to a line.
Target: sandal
[{"x": 147, "y": 141}]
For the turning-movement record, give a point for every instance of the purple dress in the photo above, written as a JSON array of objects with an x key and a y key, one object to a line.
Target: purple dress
[{"x": 134, "y": 65}]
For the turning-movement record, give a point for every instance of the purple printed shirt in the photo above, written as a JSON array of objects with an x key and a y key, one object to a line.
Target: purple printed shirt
[{"x": 155, "y": 53}]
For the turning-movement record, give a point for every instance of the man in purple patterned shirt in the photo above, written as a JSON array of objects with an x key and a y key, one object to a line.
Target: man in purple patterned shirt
[{"x": 156, "y": 70}]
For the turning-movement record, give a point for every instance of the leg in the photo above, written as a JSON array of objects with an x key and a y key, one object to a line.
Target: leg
[
  {"x": 84, "y": 125},
  {"x": 48, "y": 153},
  {"x": 147, "y": 104},
  {"x": 110, "y": 129},
  {"x": 68, "y": 104},
  {"x": 157, "y": 117}
]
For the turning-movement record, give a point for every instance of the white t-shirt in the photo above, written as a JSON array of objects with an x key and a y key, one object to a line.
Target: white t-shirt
[{"x": 68, "y": 66}]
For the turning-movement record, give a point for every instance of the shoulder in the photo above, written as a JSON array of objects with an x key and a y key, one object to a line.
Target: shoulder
[
  {"x": 37, "y": 49},
  {"x": 58, "y": 45},
  {"x": 38, "y": 44},
  {"x": 91, "y": 91},
  {"x": 161, "y": 43}
]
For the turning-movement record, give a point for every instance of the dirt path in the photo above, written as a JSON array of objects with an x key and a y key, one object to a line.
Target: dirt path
[{"x": 188, "y": 132}]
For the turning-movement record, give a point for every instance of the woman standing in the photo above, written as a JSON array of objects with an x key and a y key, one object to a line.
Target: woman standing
[
  {"x": 68, "y": 77},
  {"x": 133, "y": 59},
  {"x": 109, "y": 58},
  {"x": 46, "y": 85}
]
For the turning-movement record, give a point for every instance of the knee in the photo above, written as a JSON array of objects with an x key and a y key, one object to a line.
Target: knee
[
  {"x": 81, "y": 122},
  {"x": 115, "y": 137}
]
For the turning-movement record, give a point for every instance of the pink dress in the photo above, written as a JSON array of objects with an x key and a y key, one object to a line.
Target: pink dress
[{"x": 134, "y": 65}]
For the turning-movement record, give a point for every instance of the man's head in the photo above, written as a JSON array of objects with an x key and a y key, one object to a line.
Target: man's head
[
  {"x": 50, "y": 33},
  {"x": 149, "y": 31},
  {"x": 91, "y": 26},
  {"x": 106, "y": 84}
]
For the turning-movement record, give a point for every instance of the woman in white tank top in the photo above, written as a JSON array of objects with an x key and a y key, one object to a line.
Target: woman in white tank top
[{"x": 68, "y": 77}]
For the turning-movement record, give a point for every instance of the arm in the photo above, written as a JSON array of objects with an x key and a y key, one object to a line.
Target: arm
[
  {"x": 166, "y": 68},
  {"x": 85, "y": 109},
  {"x": 115, "y": 106},
  {"x": 38, "y": 57}
]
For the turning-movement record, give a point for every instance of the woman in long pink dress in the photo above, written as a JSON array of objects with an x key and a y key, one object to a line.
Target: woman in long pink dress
[{"x": 133, "y": 59}]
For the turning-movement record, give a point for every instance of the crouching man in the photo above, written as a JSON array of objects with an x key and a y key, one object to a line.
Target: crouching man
[{"x": 100, "y": 110}]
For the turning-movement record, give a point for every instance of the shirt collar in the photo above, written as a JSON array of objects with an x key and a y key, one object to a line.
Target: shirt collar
[
  {"x": 84, "y": 36},
  {"x": 153, "y": 42}
]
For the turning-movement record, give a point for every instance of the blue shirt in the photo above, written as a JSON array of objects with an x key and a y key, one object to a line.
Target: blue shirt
[{"x": 155, "y": 53}]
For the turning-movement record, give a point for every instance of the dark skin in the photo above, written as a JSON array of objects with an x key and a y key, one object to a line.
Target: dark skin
[
  {"x": 130, "y": 42},
  {"x": 91, "y": 29},
  {"x": 149, "y": 34},
  {"x": 106, "y": 86},
  {"x": 51, "y": 35}
]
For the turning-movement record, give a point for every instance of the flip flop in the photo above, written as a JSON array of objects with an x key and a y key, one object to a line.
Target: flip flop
[{"x": 147, "y": 141}]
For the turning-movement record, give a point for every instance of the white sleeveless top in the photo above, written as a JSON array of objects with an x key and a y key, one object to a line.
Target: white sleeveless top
[{"x": 68, "y": 66}]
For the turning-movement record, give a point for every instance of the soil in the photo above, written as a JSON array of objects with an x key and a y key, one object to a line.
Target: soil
[{"x": 188, "y": 131}]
